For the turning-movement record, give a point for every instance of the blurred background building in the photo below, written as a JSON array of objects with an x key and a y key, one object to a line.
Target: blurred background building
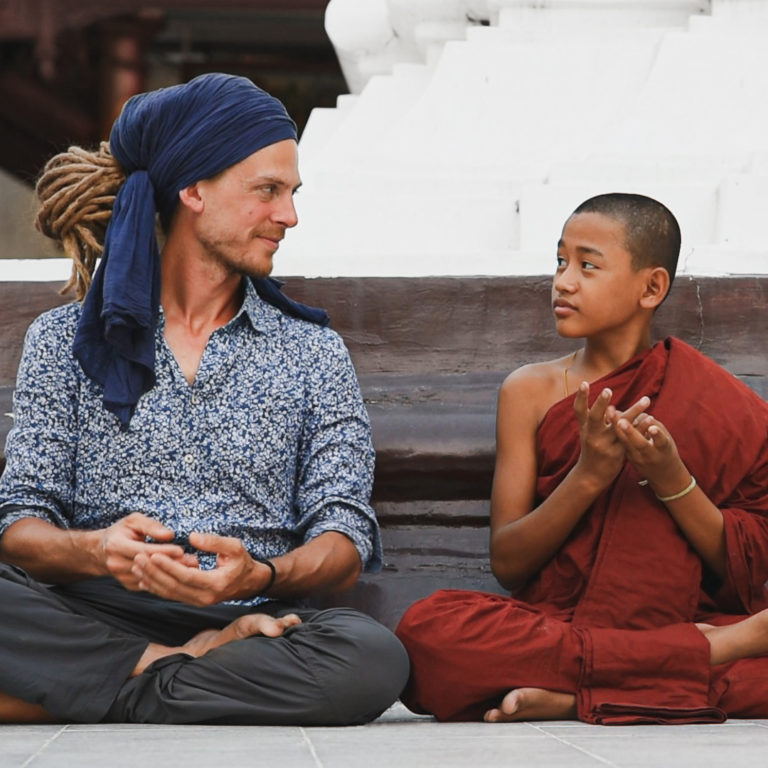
[{"x": 67, "y": 66}]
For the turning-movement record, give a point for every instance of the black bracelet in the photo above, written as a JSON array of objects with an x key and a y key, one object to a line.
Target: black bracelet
[{"x": 273, "y": 575}]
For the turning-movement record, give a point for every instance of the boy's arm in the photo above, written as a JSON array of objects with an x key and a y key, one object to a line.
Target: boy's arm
[
  {"x": 653, "y": 452},
  {"x": 523, "y": 539}
]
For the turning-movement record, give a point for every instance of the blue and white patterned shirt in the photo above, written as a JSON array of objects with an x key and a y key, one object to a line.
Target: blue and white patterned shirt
[{"x": 271, "y": 444}]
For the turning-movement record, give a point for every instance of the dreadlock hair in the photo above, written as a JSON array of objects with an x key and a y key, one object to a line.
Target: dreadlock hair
[
  {"x": 651, "y": 232},
  {"x": 77, "y": 190}
]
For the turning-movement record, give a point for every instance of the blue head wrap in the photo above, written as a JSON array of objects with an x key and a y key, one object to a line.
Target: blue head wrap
[{"x": 166, "y": 140}]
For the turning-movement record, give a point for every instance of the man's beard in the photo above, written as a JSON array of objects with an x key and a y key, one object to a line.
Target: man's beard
[{"x": 218, "y": 253}]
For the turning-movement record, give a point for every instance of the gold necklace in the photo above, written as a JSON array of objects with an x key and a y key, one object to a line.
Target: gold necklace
[{"x": 565, "y": 371}]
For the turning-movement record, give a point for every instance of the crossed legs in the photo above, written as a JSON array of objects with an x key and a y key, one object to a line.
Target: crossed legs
[
  {"x": 93, "y": 651},
  {"x": 745, "y": 639},
  {"x": 483, "y": 656}
]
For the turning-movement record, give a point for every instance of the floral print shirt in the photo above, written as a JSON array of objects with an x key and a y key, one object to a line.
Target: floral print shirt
[{"x": 270, "y": 444}]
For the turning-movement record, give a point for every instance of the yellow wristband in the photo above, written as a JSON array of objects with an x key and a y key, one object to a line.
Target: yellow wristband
[{"x": 680, "y": 495}]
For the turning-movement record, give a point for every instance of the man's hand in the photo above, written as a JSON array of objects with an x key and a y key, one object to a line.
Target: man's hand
[
  {"x": 120, "y": 544},
  {"x": 236, "y": 573},
  {"x": 602, "y": 453},
  {"x": 651, "y": 449}
]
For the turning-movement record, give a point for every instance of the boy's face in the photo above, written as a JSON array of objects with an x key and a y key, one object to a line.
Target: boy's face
[{"x": 595, "y": 288}]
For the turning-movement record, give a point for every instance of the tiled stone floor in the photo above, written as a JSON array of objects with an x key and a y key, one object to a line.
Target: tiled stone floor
[{"x": 396, "y": 740}]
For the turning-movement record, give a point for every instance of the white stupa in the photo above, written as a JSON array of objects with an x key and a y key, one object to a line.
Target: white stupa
[{"x": 476, "y": 126}]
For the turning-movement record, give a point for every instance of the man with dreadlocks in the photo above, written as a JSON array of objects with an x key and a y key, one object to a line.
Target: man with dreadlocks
[{"x": 190, "y": 453}]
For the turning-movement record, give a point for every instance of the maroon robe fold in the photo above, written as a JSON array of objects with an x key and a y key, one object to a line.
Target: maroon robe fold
[{"x": 610, "y": 616}]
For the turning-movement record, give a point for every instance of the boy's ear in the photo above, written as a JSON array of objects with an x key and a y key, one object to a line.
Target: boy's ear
[
  {"x": 656, "y": 288},
  {"x": 190, "y": 197}
]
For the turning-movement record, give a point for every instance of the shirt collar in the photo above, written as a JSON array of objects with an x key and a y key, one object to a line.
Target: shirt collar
[{"x": 262, "y": 316}]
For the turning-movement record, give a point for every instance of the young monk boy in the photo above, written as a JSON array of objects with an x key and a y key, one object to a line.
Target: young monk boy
[{"x": 629, "y": 515}]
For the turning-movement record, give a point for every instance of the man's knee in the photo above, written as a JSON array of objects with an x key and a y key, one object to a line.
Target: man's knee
[
  {"x": 14, "y": 574},
  {"x": 360, "y": 664}
]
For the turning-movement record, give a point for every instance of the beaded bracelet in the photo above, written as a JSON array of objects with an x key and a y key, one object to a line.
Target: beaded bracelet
[
  {"x": 680, "y": 495},
  {"x": 273, "y": 575}
]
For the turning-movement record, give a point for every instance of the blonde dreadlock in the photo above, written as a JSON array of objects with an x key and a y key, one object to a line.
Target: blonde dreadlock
[{"x": 76, "y": 192}]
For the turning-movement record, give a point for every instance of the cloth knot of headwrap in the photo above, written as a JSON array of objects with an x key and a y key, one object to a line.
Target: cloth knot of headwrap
[{"x": 166, "y": 140}]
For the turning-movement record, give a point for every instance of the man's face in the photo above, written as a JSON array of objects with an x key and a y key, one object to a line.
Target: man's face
[{"x": 247, "y": 209}]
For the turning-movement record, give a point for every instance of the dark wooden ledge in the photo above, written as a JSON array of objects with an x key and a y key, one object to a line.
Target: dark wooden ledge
[{"x": 431, "y": 354}]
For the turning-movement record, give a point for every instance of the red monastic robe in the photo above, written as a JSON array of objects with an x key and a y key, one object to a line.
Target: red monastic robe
[{"x": 610, "y": 617}]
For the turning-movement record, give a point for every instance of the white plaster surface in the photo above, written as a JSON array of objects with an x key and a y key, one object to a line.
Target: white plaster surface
[{"x": 468, "y": 153}]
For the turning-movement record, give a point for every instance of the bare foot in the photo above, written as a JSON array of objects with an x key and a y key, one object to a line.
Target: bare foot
[
  {"x": 533, "y": 704},
  {"x": 244, "y": 626},
  {"x": 745, "y": 639},
  {"x": 13, "y": 710}
]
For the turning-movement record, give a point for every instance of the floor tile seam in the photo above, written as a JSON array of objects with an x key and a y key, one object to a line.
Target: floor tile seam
[
  {"x": 311, "y": 747},
  {"x": 577, "y": 747},
  {"x": 43, "y": 747}
]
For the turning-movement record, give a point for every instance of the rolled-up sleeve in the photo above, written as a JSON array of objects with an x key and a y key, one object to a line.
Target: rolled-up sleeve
[
  {"x": 38, "y": 477},
  {"x": 336, "y": 457}
]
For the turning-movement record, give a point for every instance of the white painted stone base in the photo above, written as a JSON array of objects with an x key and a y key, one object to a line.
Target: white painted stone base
[{"x": 468, "y": 153}]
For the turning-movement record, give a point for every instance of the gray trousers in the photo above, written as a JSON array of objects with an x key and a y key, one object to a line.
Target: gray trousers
[{"x": 71, "y": 649}]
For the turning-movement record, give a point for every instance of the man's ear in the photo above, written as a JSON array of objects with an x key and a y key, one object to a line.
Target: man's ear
[
  {"x": 656, "y": 288},
  {"x": 191, "y": 198}
]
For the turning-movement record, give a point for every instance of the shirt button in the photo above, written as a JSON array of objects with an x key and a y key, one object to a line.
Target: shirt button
[
  {"x": 188, "y": 458},
  {"x": 195, "y": 399}
]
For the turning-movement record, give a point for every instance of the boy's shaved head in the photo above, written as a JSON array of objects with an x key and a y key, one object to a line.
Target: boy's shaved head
[{"x": 652, "y": 232}]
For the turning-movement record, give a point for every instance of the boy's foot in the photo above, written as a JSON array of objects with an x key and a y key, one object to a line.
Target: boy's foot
[
  {"x": 533, "y": 704},
  {"x": 745, "y": 639}
]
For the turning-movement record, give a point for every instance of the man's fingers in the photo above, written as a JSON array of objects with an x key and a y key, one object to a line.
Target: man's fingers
[
  {"x": 219, "y": 545},
  {"x": 174, "y": 551},
  {"x": 118, "y": 548},
  {"x": 167, "y": 576},
  {"x": 190, "y": 560},
  {"x": 148, "y": 526}
]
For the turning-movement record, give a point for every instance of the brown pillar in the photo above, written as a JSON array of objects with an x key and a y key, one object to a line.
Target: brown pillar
[{"x": 123, "y": 70}]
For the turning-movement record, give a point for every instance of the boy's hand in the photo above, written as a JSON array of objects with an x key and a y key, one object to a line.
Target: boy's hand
[
  {"x": 602, "y": 453},
  {"x": 652, "y": 451}
]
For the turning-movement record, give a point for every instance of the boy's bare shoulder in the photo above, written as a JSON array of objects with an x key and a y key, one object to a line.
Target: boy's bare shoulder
[
  {"x": 536, "y": 387},
  {"x": 538, "y": 374}
]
